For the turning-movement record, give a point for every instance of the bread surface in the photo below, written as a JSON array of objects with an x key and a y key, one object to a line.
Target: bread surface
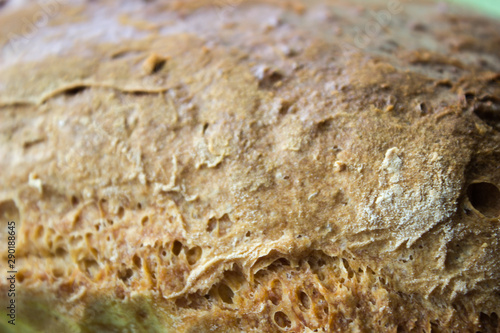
[{"x": 251, "y": 166}]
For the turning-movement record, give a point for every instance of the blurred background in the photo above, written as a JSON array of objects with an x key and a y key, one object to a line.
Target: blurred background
[{"x": 491, "y": 7}]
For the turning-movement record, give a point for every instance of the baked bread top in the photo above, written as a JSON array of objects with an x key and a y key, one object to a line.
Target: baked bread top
[{"x": 196, "y": 166}]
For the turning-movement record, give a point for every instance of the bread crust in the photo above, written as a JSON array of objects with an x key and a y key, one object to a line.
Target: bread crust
[{"x": 252, "y": 167}]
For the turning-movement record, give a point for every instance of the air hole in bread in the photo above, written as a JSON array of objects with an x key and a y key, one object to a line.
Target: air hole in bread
[
  {"x": 20, "y": 277},
  {"x": 276, "y": 292},
  {"x": 423, "y": 108},
  {"x": 235, "y": 278},
  {"x": 225, "y": 224},
  {"x": 137, "y": 261},
  {"x": 89, "y": 266},
  {"x": 177, "y": 248},
  {"x": 73, "y": 240},
  {"x": 220, "y": 225},
  {"x": 121, "y": 212},
  {"x": 57, "y": 273},
  {"x": 267, "y": 77},
  {"x": 193, "y": 255},
  {"x": 193, "y": 301},
  {"x": 319, "y": 300},
  {"x": 282, "y": 320},
  {"x": 182, "y": 302},
  {"x": 39, "y": 232},
  {"x": 226, "y": 294},
  {"x": 304, "y": 300},
  {"x": 278, "y": 263},
  {"x": 212, "y": 224},
  {"x": 485, "y": 198},
  {"x": 74, "y": 200},
  {"x": 489, "y": 323},
  {"x": 469, "y": 96},
  {"x": 60, "y": 252},
  {"x": 125, "y": 275},
  {"x": 488, "y": 110},
  {"x": 348, "y": 268}
]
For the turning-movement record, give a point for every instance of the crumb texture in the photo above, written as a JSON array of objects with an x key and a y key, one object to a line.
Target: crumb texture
[{"x": 251, "y": 166}]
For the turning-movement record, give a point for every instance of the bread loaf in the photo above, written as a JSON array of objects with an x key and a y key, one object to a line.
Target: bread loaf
[{"x": 250, "y": 166}]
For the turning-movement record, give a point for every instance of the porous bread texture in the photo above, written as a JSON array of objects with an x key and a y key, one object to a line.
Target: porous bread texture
[{"x": 201, "y": 166}]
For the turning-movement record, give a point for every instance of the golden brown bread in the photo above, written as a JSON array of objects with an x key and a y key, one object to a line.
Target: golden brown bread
[{"x": 256, "y": 166}]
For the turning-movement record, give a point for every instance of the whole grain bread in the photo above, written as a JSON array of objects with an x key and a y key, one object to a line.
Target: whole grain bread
[{"x": 250, "y": 166}]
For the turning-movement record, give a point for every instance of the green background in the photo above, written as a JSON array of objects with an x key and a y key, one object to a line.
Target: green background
[{"x": 491, "y": 7}]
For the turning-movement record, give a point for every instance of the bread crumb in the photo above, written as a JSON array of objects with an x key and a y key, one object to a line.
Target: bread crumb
[{"x": 153, "y": 63}]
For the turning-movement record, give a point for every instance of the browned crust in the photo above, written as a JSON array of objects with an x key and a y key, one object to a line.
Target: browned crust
[{"x": 246, "y": 167}]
